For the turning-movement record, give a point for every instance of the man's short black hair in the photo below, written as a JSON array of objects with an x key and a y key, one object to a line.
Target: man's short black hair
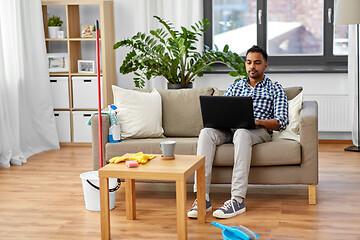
[{"x": 256, "y": 48}]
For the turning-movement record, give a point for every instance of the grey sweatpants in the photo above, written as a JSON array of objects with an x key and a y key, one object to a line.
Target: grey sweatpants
[{"x": 243, "y": 140}]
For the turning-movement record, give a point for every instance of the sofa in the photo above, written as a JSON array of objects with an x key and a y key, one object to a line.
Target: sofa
[{"x": 281, "y": 161}]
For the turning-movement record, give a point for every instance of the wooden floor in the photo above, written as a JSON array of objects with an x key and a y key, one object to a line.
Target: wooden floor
[{"x": 43, "y": 199}]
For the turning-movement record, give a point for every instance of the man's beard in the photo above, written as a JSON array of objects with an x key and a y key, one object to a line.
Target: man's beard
[{"x": 254, "y": 74}]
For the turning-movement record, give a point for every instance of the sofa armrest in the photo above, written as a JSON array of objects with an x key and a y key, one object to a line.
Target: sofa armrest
[
  {"x": 309, "y": 139},
  {"x": 95, "y": 138}
]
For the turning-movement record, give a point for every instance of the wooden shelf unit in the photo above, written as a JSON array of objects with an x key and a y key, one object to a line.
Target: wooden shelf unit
[{"x": 73, "y": 42}]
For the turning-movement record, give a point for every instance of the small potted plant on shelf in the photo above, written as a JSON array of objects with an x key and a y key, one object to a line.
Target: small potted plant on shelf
[
  {"x": 172, "y": 54},
  {"x": 94, "y": 31},
  {"x": 54, "y": 25}
]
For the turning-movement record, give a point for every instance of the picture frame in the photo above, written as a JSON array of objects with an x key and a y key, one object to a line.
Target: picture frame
[
  {"x": 60, "y": 35},
  {"x": 58, "y": 62},
  {"x": 86, "y": 31},
  {"x": 86, "y": 66}
]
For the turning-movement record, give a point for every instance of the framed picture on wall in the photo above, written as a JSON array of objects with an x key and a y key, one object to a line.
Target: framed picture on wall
[
  {"x": 86, "y": 66},
  {"x": 58, "y": 62}
]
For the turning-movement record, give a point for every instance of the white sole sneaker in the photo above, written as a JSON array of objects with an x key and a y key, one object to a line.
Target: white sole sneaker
[
  {"x": 193, "y": 213},
  {"x": 220, "y": 214}
]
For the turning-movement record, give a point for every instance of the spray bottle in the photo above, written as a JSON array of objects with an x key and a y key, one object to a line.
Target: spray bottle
[{"x": 114, "y": 130}]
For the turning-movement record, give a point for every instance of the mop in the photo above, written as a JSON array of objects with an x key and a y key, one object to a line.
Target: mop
[
  {"x": 91, "y": 196},
  {"x": 99, "y": 93}
]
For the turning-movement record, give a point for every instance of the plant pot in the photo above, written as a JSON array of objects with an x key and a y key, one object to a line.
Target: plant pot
[
  {"x": 53, "y": 31},
  {"x": 179, "y": 86}
]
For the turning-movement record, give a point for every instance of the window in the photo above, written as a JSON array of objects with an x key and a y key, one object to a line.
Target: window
[
  {"x": 341, "y": 39},
  {"x": 295, "y": 33}
]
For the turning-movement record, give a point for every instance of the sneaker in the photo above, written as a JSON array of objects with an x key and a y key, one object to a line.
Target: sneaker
[
  {"x": 231, "y": 208},
  {"x": 193, "y": 211}
]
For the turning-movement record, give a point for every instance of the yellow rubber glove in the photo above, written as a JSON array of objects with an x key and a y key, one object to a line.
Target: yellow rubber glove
[
  {"x": 136, "y": 155},
  {"x": 140, "y": 157},
  {"x": 121, "y": 159},
  {"x": 118, "y": 159}
]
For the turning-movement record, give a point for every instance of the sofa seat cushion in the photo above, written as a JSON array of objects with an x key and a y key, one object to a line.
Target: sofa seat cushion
[
  {"x": 186, "y": 146},
  {"x": 282, "y": 152},
  {"x": 264, "y": 154}
]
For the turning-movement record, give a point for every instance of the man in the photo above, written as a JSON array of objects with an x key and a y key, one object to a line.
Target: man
[{"x": 270, "y": 113}]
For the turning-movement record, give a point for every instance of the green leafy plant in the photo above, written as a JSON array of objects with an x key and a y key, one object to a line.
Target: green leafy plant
[
  {"x": 54, "y": 21},
  {"x": 232, "y": 60},
  {"x": 170, "y": 53}
]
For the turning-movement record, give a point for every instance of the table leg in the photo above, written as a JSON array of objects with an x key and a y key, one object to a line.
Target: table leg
[
  {"x": 200, "y": 183},
  {"x": 104, "y": 208},
  {"x": 130, "y": 199},
  {"x": 181, "y": 209}
]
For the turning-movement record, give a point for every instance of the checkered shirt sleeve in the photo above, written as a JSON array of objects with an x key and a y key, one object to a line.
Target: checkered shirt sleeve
[
  {"x": 281, "y": 113},
  {"x": 269, "y": 99}
]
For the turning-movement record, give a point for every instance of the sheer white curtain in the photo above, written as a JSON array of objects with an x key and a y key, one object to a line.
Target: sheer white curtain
[
  {"x": 180, "y": 13},
  {"x": 353, "y": 79},
  {"x": 27, "y": 124}
]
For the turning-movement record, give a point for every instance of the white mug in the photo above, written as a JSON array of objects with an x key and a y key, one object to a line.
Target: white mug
[{"x": 167, "y": 148}]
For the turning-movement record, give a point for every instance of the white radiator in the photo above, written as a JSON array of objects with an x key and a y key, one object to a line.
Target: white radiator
[{"x": 334, "y": 112}]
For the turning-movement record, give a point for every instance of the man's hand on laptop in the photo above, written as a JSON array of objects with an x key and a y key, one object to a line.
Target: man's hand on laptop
[{"x": 270, "y": 124}]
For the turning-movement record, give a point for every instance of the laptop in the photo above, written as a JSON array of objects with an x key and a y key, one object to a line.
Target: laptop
[{"x": 227, "y": 112}]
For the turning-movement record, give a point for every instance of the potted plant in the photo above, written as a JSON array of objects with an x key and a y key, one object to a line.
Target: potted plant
[
  {"x": 170, "y": 53},
  {"x": 94, "y": 31},
  {"x": 54, "y": 24}
]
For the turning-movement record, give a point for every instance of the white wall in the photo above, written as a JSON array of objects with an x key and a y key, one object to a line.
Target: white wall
[{"x": 312, "y": 83}]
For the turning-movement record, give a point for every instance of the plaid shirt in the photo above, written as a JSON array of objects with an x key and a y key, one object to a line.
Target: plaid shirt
[{"x": 269, "y": 99}]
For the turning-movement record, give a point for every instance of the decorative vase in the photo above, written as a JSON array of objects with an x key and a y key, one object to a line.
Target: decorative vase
[
  {"x": 179, "y": 86},
  {"x": 53, "y": 31}
]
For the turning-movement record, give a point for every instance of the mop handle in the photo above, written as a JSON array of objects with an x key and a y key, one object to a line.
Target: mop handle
[{"x": 99, "y": 94}]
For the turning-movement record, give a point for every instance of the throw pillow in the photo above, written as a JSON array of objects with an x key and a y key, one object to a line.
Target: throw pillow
[
  {"x": 292, "y": 130},
  {"x": 139, "y": 113},
  {"x": 218, "y": 92},
  {"x": 182, "y": 112},
  {"x": 292, "y": 92}
]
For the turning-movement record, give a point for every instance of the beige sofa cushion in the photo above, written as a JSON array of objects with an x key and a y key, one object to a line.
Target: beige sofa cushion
[
  {"x": 292, "y": 131},
  {"x": 218, "y": 92},
  {"x": 139, "y": 113},
  {"x": 282, "y": 152},
  {"x": 181, "y": 111},
  {"x": 291, "y": 92},
  {"x": 186, "y": 146},
  {"x": 264, "y": 154}
]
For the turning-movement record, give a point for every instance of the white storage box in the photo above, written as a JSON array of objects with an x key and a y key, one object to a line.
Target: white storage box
[
  {"x": 82, "y": 131},
  {"x": 60, "y": 91},
  {"x": 85, "y": 93},
  {"x": 62, "y": 119}
]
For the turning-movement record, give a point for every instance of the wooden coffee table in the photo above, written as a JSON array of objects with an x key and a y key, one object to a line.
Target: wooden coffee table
[{"x": 177, "y": 170}]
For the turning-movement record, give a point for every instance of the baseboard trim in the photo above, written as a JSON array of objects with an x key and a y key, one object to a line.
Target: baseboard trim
[
  {"x": 73, "y": 144},
  {"x": 335, "y": 141}
]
